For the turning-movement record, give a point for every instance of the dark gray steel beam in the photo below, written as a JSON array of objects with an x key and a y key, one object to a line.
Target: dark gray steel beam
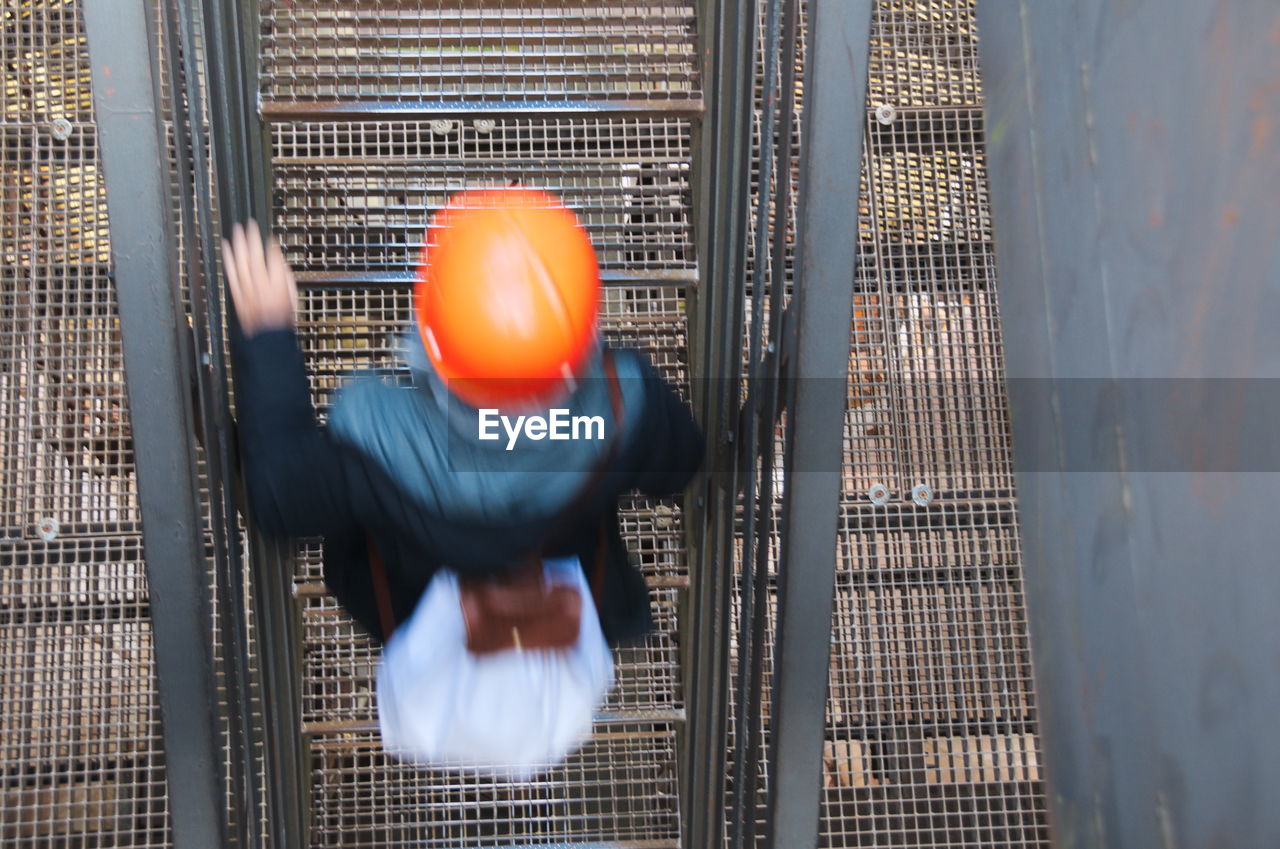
[
  {"x": 1134, "y": 155},
  {"x": 817, "y": 360},
  {"x": 215, "y": 432},
  {"x": 240, "y": 144},
  {"x": 758, "y": 420},
  {"x": 158, "y": 371},
  {"x": 722, "y": 145},
  {"x": 240, "y": 141}
]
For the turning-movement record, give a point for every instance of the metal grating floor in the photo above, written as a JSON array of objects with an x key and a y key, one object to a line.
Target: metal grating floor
[
  {"x": 356, "y": 196},
  {"x": 339, "y": 662},
  {"x": 475, "y": 52},
  {"x": 353, "y": 192},
  {"x": 932, "y": 737},
  {"x": 931, "y": 717},
  {"x": 80, "y": 751}
]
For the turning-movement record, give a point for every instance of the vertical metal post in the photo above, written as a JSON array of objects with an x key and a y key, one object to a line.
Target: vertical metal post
[
  {"x": 780, "y": 47},
  {"x": 240, "y": 145},
  {"x": 192, "y": 184},
  {"x": 239, "y": 141},
  {"x": 723, "y": 143},
  {"x": 158, "y": 370},
  {"x": 816, "y": 367}
]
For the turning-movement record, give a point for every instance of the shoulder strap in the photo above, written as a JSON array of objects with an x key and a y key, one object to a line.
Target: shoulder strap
[
  {"x": 595, "y": 574},
  {"x": 378, "y": 572},
  {"x": 381, "y": 591},
  {"x": 604, "y": 463}
]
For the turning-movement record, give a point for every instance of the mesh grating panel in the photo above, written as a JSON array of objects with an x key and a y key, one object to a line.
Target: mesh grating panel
[
  {"x": 924, "y": 53},
  {"x": 68, "y": 457},
  {"x": 79, "y": 725},
  {"x": 931, "y": 714},
  {"x": 78, "y": 703},
  {"x": 350, "y": 329},
  {"x": 929, "y": 626},
  {"x": 45, "y": 75},
  {"x": 477, "y": 51},
  {"x": 652, "y": 531},
  {"x": 621, "y": 787},
  {"x": 931, "y": 725},
  {"x": 357, "y": 197},
  {"x": 352, "y": 202},
  {"x": 926, "y": 402}
]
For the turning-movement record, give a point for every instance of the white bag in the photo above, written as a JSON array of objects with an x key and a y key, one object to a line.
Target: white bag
[{"x": 508, "y": 713}]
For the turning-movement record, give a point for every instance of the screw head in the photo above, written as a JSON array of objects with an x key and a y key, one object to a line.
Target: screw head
[
  {"x": 885, "y": 113},
  {"x": 922, "y": 494},
  {"x": 484, "y": 126},
  {"x": 441, "y": 127},
  {"x": 60, "y": 128},
  {"x": 48, "y": 528},
  {"x": 878, "y": 493}
]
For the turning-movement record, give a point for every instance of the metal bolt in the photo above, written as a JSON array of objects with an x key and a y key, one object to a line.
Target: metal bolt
[
  {"x": 878, "y": 493},
  {"x": 922, "y": 494},
  {"x": 48, "y": 528},
  {"x": 885, "y": 113},
  {"x": 441, "y": 127},
  {"x": 61, "y": 129},
  {"x": 484, "y": 126}
]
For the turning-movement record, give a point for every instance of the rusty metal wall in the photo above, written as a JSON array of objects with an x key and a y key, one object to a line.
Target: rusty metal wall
[
  {"x": 80, "y": 748},
  {"x": 1135, "y": 166}
]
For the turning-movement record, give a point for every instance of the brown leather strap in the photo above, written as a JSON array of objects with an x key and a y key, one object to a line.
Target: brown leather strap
[
  {"x": 615, "y": 391},
  {"x": 569, "y": 514},
  {"x": 605, "y": 463},
  {"x": 595, "y": 573},
  {"x": 602, "y": 546},
  {"x": 381, "y": 591}
]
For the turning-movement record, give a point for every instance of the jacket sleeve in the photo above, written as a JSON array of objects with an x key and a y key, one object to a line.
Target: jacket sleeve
[
  {"x": 672, "y": 444},
  {"x": 295, "y": 476}
]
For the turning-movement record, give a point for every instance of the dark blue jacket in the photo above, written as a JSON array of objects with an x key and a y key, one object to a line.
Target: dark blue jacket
[{"x": 404, "y": 467}]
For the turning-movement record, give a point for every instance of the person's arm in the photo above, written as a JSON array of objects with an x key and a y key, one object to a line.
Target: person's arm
[
  {"x": 672, "y": 443},
  {"x": 294, "y": 475}
]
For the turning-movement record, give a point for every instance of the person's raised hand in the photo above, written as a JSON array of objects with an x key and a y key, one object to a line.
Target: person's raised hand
[{"x": 262, "y": 285}]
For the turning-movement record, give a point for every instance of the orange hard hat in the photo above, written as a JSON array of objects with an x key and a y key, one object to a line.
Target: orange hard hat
[{"x": 507, "y": 296}]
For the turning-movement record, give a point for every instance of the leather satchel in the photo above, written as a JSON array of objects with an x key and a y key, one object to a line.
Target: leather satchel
[{"x": 519, "y": 609}]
